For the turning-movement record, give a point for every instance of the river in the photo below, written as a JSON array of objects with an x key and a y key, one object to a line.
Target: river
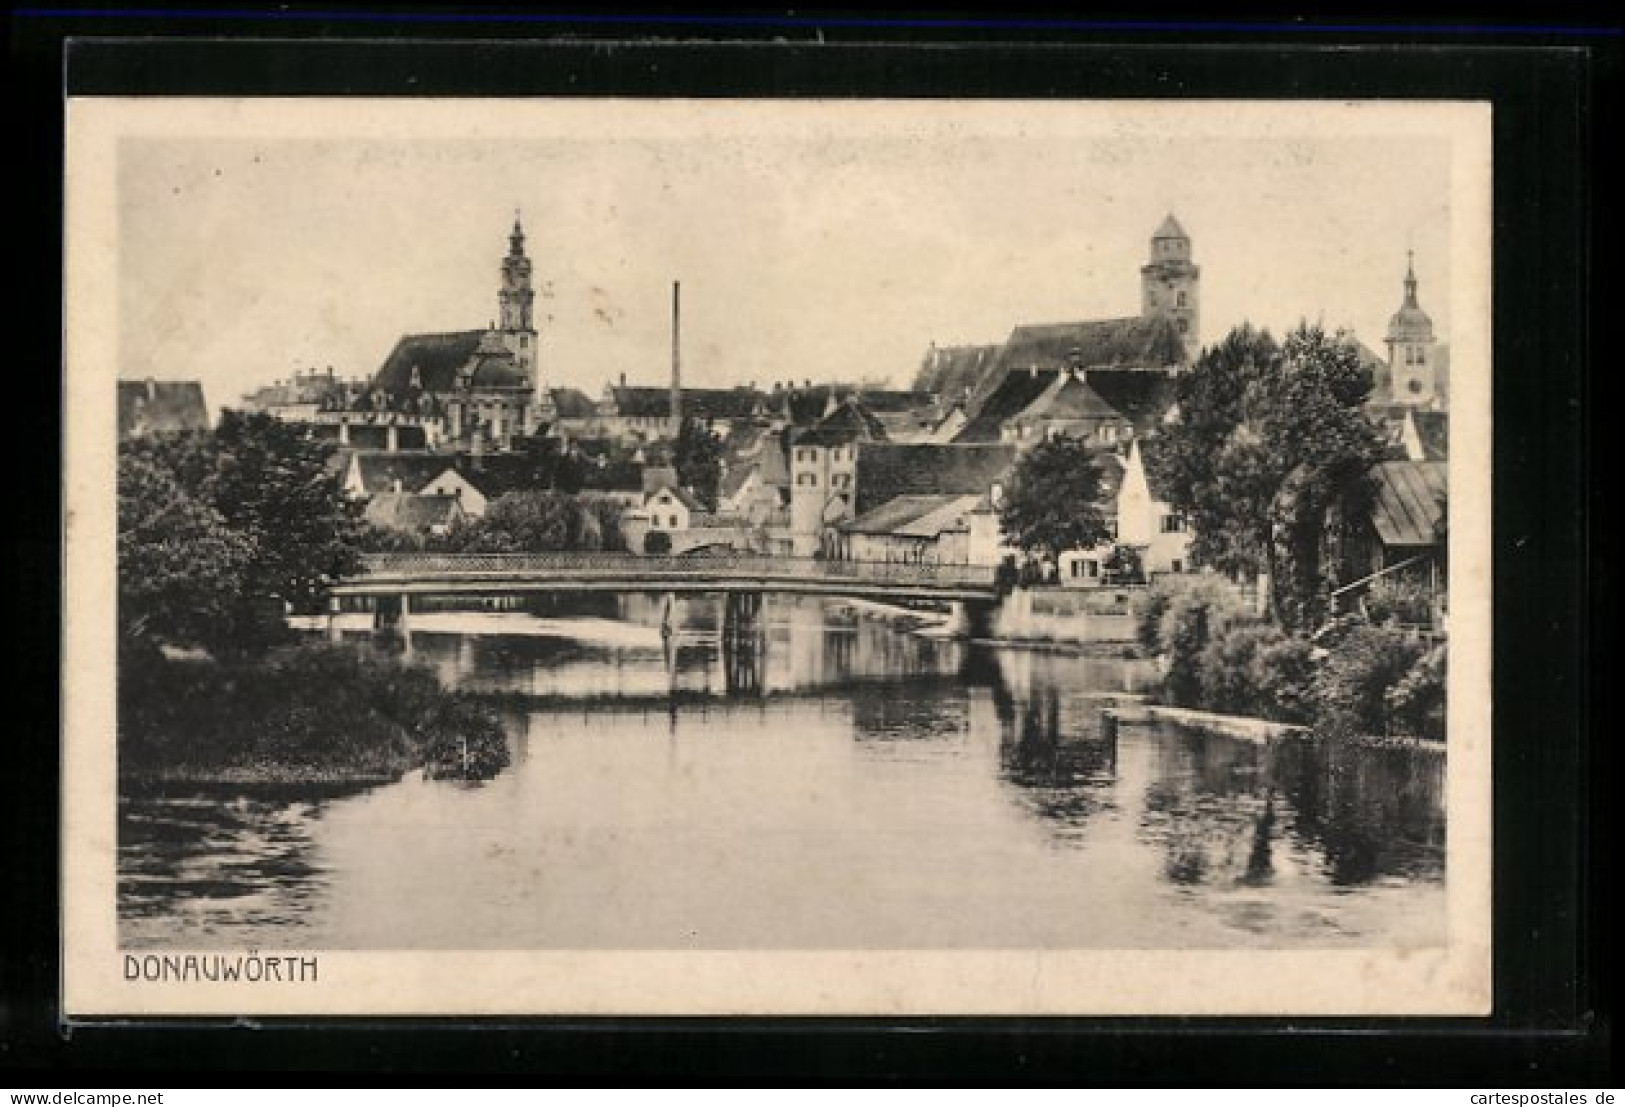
[{"x": 836, "y": 783}]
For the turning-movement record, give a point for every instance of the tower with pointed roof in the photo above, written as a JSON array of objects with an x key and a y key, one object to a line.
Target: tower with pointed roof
[
  {"x": 1413, "y": 352},
  {"x": 516, "y": 321},
  {"x": 1170, "y": 283}
]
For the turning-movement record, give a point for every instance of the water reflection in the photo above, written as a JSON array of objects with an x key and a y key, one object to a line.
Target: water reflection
[{"x": 810, "y": 778}]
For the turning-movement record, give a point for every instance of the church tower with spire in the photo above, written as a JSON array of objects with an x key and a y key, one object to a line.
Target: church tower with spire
[
  {"x": 1170, "y": 284},
  {"x": 516, "y": 321},
  {"x": 1412, "y": 350}
]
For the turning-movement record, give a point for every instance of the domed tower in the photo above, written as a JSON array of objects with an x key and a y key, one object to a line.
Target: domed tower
[
  {"x": 1412, "y": 351},
  {"x": 516, "y": 302},
  {"x": 516, "y": 326},
  {"x": 1169, "y": 283}
]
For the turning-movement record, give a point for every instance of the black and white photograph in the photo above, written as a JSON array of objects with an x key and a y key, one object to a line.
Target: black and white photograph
[{"x": 735, "y": 556}]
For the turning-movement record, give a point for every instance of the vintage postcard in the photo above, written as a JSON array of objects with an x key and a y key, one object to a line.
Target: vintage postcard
[{"x": 638, "y": 556}]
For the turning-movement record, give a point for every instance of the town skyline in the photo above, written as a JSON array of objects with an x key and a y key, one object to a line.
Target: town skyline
[{"x": 818, "y": 255}]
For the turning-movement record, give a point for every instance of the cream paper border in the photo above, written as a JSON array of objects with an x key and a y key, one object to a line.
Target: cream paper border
[{"x": 1453, "y": 980}]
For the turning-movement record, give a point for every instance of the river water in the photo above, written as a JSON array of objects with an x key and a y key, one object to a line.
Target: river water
[{"x": 837, "y": 783}]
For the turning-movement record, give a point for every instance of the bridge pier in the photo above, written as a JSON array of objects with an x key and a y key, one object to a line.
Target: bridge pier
[
  {"x": 973, "y": 618},
  {"x": 744, "y": 644}
]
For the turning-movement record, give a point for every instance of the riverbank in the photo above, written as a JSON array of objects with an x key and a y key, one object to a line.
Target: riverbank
[{"x": 314, "y": 715}]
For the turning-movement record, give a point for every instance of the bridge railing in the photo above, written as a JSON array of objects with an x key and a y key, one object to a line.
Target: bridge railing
[{"x": 630, "y": 566}]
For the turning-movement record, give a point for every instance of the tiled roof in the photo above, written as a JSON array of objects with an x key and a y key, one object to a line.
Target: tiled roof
[
  {"x": 683, "y": 495},
  {"x": 379, "y": 470},
  {"x": 572, "y": 403},
  {"x": 915, "y": 516},
  {"x": 1069, "y": 397},
  {"x": 850, "y": 422},
  {"x": 437, "y": 358},
  {"x": 886, "y": 470},
  {"x": 1143, "y": 398},
  {"x": 1410, "y": 502},
  {"x": 1015, "y": 393},
  {"x": 155, "y": 407},
  {"x": 894, "y": 400},
  {"x": 640, "y": 401},
  {"x": 411, "y": 512},
  {"x": 951, "y": 371}
]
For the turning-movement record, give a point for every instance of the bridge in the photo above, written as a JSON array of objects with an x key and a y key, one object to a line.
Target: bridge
[{"x": 410, "y": 574}]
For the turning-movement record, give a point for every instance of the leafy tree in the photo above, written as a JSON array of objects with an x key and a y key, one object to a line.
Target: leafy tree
[
  {"x": 1053, "y": 501},
  {"x": 551, "y": 465},
  {"x": 1270, "y": 459},
  {"x": 697, "y": 456},
  {"x": 180, "y": 567},
  {"x": 657, "y": 542},
  {"x": 250, "y": 512}
]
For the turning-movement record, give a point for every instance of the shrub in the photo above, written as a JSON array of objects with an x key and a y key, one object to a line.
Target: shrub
[
  {"x": 1148, "y": 619},
  {"x": 1362, "y": 663},
  {"x": 1416, "y": 705},
  {"x": 657, "y": 542},
  {"x": 1283, "y": 676},
  {"x": 1399, "y": 600}
]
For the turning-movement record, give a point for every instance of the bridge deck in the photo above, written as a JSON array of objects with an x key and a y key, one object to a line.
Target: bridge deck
[{"x": 393, "y": 574}]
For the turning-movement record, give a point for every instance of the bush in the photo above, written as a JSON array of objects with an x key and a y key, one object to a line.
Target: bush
[
  {"x": 1399, "y": 600},
  {"x": 1416, "y": 705},
  {"x": 315, "y": 711},
  {"x": 1363, "y": 662},
  {"x": 1283, "y": 676},
  {"x": 1148, "y": 619},
  {"x": 657, "y": 542}
]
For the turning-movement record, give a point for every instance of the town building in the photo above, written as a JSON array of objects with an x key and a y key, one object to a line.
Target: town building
[
  {"x": 1418, "y": 363},
  {"x": 150, "y": 406},
  {"x": 484, "y": 386},
  {"x": 414, "y": 513},
  {"x": 823, "y": 474}
]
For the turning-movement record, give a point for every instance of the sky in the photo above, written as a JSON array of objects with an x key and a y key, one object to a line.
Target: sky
[{"x": 821, "y": 240}]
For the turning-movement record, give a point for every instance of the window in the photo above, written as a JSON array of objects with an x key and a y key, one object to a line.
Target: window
[
  {"x": 1108, "y": 432},
  {"x": 1184, "y": 325},
  {"x": 1173, "y": 523},
  {"x": 674, "y": 522},
  {"x": 1179, "y": 301},
  {"x": 1176, "y": 566}
]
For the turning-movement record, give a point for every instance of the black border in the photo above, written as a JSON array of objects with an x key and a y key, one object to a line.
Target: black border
[{"x": 1555, "y": 93}]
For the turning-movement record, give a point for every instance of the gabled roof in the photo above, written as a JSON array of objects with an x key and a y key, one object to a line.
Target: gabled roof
[
  {"x": 1433, "y": 431},
  {"x": 735, "y": 478},
  {"x": 952, "y": 371},
  {"x": 1142, "y": 398},
  {"x": 1170, "y": 228},
  {"x": 159, "y": 407},
  {"x": 850, "y": 422},
  {"x": 409, "y": 511},
  {"x": 437, "y": 358},
  {"x": 1410, "y": 502},
  {"x": 682, "y": 495},
  {"x": 918, "y": 516},
  {"x": 572, "y": 403},
  {"x": 895, "y": 400},
  {"x": 886, "y": 470},
  {"x": 1133, "y": 342},
  {"x": 1015, "y": 393},
  {"x": 380, "y": 470},
  {"x": 1070, "y": 397},
  {"x": 643, "y": 401}
]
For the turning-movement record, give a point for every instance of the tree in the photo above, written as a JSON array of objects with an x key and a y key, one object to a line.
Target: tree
[
  {"x": 1053, "y": 501},
  {"x": 697, "y": 456},
  {"x": 550, "y": 465},
  {"x": 1270, "y": 460},
  {"x": 180, "y": 567}
]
